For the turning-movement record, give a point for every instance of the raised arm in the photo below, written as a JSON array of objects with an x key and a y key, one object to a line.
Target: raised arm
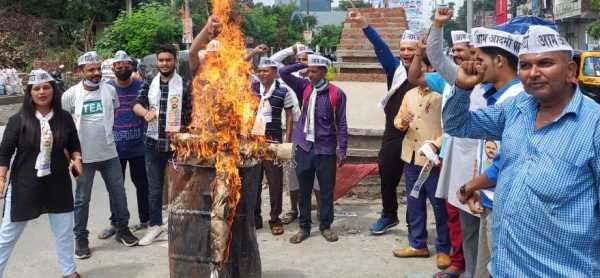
[
  {"x": 386, "y": 58},
  {"x": 280, "y": 55},
  {"x": 444, "y": 65},
  {"x": 415, "y": 72},
  {"x": 485, "y": 123},
  {"x": 297, "y": 84},
  {"x": 200, "y": 42}
]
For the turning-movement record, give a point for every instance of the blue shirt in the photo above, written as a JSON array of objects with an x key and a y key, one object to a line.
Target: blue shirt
[
  {"x": 546, "y": 220},
  {"x": 492, "y": 96},
  {"x": 128, "y": 128}
]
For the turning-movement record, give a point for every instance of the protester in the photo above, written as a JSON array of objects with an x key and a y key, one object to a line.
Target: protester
[
  {"x": 419, "y": 116},
  {"x": 92, "y": 105},
  {"x": 275, "y": 98},
  {"x": 456, "y": 152},
  {"x": 128, "y": 130},
  {"x": 201, "y": 41},
  {"x": 163, "y": 120},
  {"x": 40, "y": 133},
  {"x": 322, "y": 138},
  {"x": 301, "y": 53},
  {"x": 550, "y": 152},
  {"x": 389, "y": 161}
]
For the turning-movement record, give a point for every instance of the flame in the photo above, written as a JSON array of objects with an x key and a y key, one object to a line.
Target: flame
[{"x": 222, "y": 119}]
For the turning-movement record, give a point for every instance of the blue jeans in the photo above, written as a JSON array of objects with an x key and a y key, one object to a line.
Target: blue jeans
[
  {"x": 156, "y": 163},
  {"x": 324, "y": 166},
  {"x": 113, "y": 180},
  {"x": 61, "y": 225},
  {"x": 416, "y": 215}
]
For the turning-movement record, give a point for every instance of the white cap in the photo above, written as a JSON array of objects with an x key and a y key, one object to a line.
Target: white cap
[
  {"x": 409, "y": 36},
  {"x": 265, "y": 62},
  {"x": 540, "y": 39},
  {"x": 459, "y": 36},
  {"x": 301, "y": 49},
  {"x": 121, "y": 56},
  {"x": 88, "y": 58},
  {"x": 318, "y": 60},
  {"x": 213, "y": 46},
  {"x": 39, "y": 76},
  {"x": 486, "y": 37}
]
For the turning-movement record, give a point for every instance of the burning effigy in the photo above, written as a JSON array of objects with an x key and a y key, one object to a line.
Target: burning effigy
[{"x": 213, "y": 170}]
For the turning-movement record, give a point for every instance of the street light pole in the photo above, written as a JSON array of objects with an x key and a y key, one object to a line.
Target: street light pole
[{"x": 469, "y": 15}]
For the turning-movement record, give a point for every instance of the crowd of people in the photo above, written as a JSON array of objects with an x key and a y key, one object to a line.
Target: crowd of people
[{"x": 498, "y": 138}]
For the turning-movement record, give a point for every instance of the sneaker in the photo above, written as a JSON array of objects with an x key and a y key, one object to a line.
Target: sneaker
[
  {"x": 125, "y": 237},
  {"x": 82, "y": 249},
  {"x": 382, "y": 225},
  {"x": 153, "y": 233}
]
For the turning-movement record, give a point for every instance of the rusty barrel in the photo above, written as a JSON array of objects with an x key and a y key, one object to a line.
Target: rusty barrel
[{"x": 189, "y": 224}]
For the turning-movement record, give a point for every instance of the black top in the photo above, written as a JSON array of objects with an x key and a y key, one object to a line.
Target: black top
[
  {"x": 33, "y": 196},
  {"x": 391, "y": 133}
]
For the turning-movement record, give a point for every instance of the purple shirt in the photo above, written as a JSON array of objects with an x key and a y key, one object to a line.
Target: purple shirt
[{"x": 326, "y": 139}]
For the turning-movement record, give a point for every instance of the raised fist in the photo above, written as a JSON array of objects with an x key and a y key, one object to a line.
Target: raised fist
[
  {"x": 470, "y": 73},
  {"x": 442, "y": 15}
]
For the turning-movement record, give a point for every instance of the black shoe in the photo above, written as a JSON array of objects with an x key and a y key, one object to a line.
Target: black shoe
[
  {"x": 82, "y": 249},
  {"x": 125, "y": 237}
]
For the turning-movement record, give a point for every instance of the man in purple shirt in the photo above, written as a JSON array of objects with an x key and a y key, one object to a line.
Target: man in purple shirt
[{"x": 321, "y": 136}]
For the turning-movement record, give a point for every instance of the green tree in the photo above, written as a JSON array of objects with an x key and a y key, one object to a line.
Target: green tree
[
  {"x": 139, "y": 34},
  {"x": 344, "y": 5},
  {"x": 594, "y": 28},
  {"x": 277, "y": 26},
  {"x": 328, "y": 36}
]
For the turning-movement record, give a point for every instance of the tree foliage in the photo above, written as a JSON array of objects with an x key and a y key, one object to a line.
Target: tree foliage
[
  {"x": 344, "y": 5},
  {"x": 277, "y": 26},
  {"x": 139, "y": 34},
  {"x": 594, "y": 28},
  {"x": 328, "y": 36}
]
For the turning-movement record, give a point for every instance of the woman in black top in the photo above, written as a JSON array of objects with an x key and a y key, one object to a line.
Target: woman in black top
[{"x": 47, "y": 146}]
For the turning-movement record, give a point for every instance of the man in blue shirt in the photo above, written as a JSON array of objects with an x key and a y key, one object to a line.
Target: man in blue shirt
[
  {"x": 547, "y": 190},
  {"x": 128, "y": 130}
]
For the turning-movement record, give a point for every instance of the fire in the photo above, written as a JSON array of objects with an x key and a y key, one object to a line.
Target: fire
[{"x": 220, "y": 132}]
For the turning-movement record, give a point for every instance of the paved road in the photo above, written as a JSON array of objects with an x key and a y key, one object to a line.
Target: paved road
[{"x": 357, "y": 254}]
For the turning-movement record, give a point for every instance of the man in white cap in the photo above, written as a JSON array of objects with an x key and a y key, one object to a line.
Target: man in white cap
[
  {"x": 128, "y": 130},
  {"x": 390, "y": 164},
  {"x": 547, "y": 192},
  {"x": 275, "y": 99},
  {"x": 92, "y": 104},
  {"x": 166, "y": 105},
  {"x": 300, "y": 52},
  {"x": 321, "y": 136}
]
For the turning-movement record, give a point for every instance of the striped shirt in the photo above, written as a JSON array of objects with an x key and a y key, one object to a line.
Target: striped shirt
[
  {"x": 546, "y": 220},
  {"x": 163, "y": 144}
]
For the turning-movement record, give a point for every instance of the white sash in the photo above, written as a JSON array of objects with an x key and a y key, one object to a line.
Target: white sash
[
  {"x": 42, "y": 162},
  {"x": 309, "y": 123},
  {"x": 107, "y": 108},
  {"x": 483, "y": 162},
  {"x": 264, "y": 111},
  {"x": 400, "y": 76},
  {"x": 174, "y": 104}
]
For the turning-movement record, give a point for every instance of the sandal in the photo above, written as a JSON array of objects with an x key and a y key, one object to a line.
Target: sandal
[
  {"x": 107, "y": 233},
  {"x": 446, "y": 274},
  {"x": 289, "y": 217},
  {"x": 276, "y": 228},
  {"x": 299, "y": 237},
  {"x": 73, "y": 275}
]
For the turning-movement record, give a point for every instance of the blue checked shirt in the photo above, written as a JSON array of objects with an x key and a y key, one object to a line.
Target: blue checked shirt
[{"x": 546, "y": 220}]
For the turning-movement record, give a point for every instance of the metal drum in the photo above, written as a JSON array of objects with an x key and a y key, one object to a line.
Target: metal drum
[{"x": 189, "y": 224}]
